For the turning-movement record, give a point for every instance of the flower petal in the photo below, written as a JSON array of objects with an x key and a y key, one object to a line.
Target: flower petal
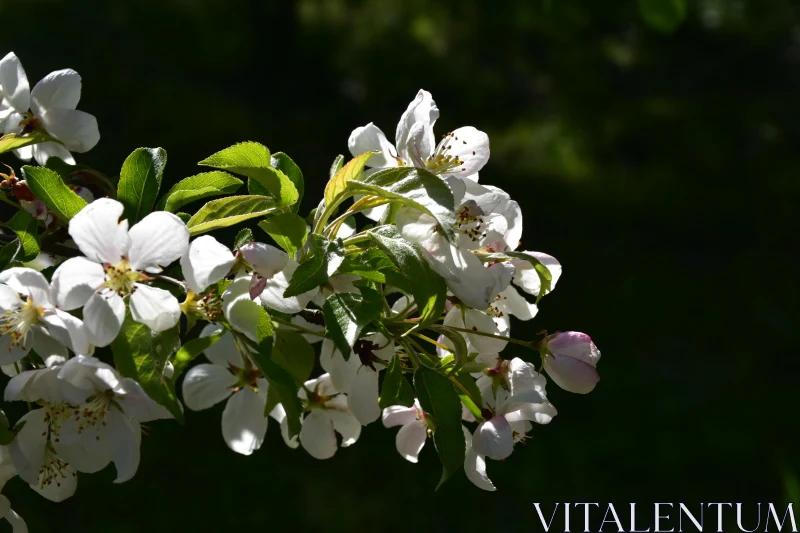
[
  {"x": 28, "y": 282},
  {"x": 475, "y": 469},
  {"x": 243, "y": 422},
  {"x": 341, "y": 372},
  {"x": 224, "y": 352},
  {"x": 493, "y": 438},
  {"x": 265, "y": 259},
  {"x": 410, "y": 440},
  {"x": 44, "y": 151},
  {"x": 510, "y": 302},
  {"x": 157, "y": 240},
  {"x": 346, "y": 425},
  {"x": 317, "y": 435},
  {"x": 399, "y": 415},
  {"x": 61, "y": 88},
  {"x": 76, "y": 129},
  {"x": 30, "y": 444},
  {"x": 98, "y": 232},
  {"x": 279, "y": 414},
  {"x": 124, "y": 438},
  {"x": 16, "y": 91},
  {"x": 206, "y": 385},
  {"x": 67, "y": 330},
  {"x": 526, "y": 276},
  {"x": 136, "y": 404},
  {"x": 75, "y": 281},
  {"x": 468, "y": 144},
  {"x": 422, "y": 113},
  {"x": 368, "y": 138},
  {"x": 156, "y": 308},
  {"x": 206, "y": 262},
  {"x": 571, "y": 374},
  {"x": 362, "y": 397},
  {"x": 272, "y": 296},
  {"x": 103, "y": 315}
]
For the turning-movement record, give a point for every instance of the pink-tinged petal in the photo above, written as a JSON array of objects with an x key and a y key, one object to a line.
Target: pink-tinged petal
[
  {"x": 103, "y": 315},
  {"x": 493, "y": 438},
  {"x": 571, "y": 374},
  {"x": 243, "y": 422},
  {"x": 206, "y": 385},
  {"x": 156, "y": 241},
  {"x": 44, "y": 151},
  {"x": 399, "y": 415},
  {"x": 98, "y": 232},
  {"x": 410, "y": 440},
  {"x": 76, "y": 129},
  {"x": 371, "y": 138},
  {"x": 317, "y": 435},
  {"x": 61, "y": 88},
  {"x": 470, "y": 146},
  {"x": 16, "y": 91},
  {"x": 574, "y": 344},
  {"x": 362, "y": 398},
  {"x": 206, "y": 262},
  {"x": 156, "y": 308},
  {"x": 265, "y": 259},
  {"x": 75, "y": 281}
]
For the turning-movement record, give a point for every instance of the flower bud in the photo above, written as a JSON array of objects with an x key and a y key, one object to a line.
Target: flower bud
[{"x": 570, "y": 360}]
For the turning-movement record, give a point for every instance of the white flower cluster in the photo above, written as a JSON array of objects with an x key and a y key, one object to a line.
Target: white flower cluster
[{"x": 375, "y": 329}]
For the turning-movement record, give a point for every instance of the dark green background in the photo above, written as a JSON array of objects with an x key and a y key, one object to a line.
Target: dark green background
[{"x": 661, "y": 169}]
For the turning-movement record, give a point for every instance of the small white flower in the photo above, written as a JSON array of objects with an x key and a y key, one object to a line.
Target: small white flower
[
  {"x": 232, "y": 377},
  {"x": 414, "y": 431},
  {"x": 514, "y": 408},
  {"x": 116, "y": 265},
  {"x": 28, "y": 318},
  {"x": 273, "y": 270},
  {"x": 52, "y": 105},
  {"x": 328, "y": 414},
  {"x": 358, "y": 376},
  {"x": 570, "y": 359}
]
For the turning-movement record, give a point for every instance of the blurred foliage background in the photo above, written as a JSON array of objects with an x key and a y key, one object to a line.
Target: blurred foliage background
[{"x": 657, "y": 160}]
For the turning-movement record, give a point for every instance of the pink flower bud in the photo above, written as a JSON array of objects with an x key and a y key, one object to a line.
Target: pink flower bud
[{"x": 571, "y": 361}]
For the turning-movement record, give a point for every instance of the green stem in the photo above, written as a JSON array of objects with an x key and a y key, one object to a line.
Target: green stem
[
  {"x": 527, "y": 344},
  {"x": 299, "y": 328},
  {"x": 9, "y": 202}
]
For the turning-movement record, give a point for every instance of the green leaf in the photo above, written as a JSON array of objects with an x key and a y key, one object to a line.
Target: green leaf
[
  {"x": 281, "y": 383},
  {"x": 325, "y": 257},
  {"x": 185, "y": 217},
  {"x": 190, "y": 350},
  {"x": 244, "y": 236},
  {"x": 228, "y": 211},
  {"x": 347, "y": 313},
  {"x": 427, "y": 287},
  {"x": 281, "y": 161},
  {"x": 663, "y": 15},
  {"x": 438, "y": 398},
  {"x": 472, "y": 391},
  {"x": 460, "y": 352},
  {"x": 336, "y": 166},
  {"x": 252, "y": 159},
  {"x": 8, "y": 253},
  {"x": 395, "y": 389},
  {"x": 140, "y": 354},
  {"x": 197, "y": 187},
  {"x": 6, "y": 433},
  {"x": 413, "y": 187},
  {"x": 48, "y": 187},
  {"x": 13, "y": 141},
  {"x": 26, "y": 228},
  {"x": 140, "y": 181},
  {"x": 294, "y": 353},
  {"x": 545, "y": 277},
  {"x": 287, "y": 229},
  {"x": 338, "y": 183}
]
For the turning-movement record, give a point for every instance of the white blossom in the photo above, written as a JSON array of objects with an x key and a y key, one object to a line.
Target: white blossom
[
  {"x": 50, "y": 106},
  {"x": 328, "y": 414},
  {"x": 414, "y": 431},
  {"x": 116, "y": 264}
]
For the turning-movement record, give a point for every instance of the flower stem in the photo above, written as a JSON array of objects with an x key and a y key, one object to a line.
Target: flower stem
[
  {"x": 295, "y": 326},
  {"x": 527, "y": 344}
]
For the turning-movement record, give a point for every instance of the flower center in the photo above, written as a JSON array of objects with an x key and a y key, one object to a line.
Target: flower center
[
  {"x": 53, "y": 469},
  {"x": 16, "y": 323},
  {"x": 469, "y": 221},
  {"x": 121, "y": 278},
  {"x": 442, "y": 161},
  {"x": 208, "y": 307},
  {"x": 94, "y": 411},
  {"x": 29, "y": 123},
  {"x": 316, "y": 400}
]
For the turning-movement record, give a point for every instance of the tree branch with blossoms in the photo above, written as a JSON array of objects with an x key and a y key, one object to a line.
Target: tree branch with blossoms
[{"x": 401, "y": 284}]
